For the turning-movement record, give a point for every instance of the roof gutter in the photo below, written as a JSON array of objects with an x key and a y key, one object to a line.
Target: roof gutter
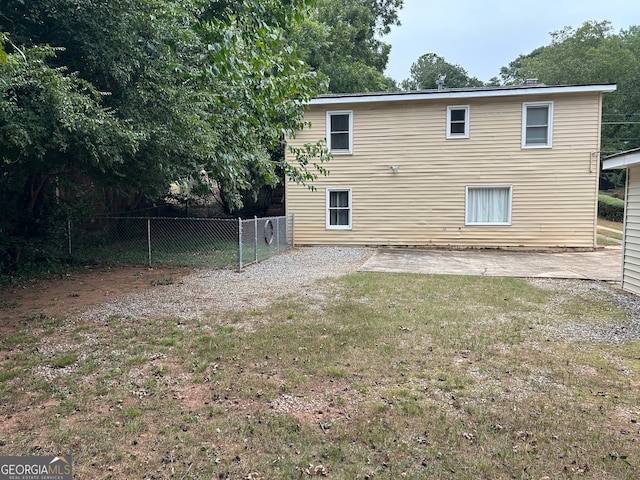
[
  {"x": 622, "y": 160},
  {"x": 458, "y": 94}
]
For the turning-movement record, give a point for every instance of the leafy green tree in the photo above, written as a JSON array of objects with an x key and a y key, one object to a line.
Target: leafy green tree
[
  {"x": 53, "y": 130},
  {"x": 342, "y": 40},
  {"x": 166, "y": 88},
  {"x": 207, "y": 84},
  {"x": 428, "y": 68},
  {"x": 511, "y": 75}
]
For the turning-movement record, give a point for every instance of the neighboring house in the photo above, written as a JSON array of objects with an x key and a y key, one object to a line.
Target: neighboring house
[
  {"x": 499, "y": 167},
  {"x": 631, "y": 245}
]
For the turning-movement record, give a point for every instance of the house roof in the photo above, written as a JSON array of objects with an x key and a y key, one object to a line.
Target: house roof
[
  {"x": 626, "y": 159},
  {"x": 458, "y": 93}
]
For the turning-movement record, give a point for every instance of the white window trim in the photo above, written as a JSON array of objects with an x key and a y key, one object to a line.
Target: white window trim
[
  {"x": 349, "y": 151},
  {"x": 450, "y": 135},
  {"x": 549, "y": 143},
  {"x": 328, "y": 213},
  {"x": 466, "y": 204}
]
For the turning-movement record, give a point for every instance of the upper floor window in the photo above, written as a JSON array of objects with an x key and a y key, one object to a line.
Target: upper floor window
[
  {"x": 340, "y": 132},
  {"x": 537, "y": 124},
  {"x": 458, "y": 121}
]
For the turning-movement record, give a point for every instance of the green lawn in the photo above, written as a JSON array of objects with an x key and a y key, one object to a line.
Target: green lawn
[
  {"x": 377, "y": 376},
  {"x": 611, "y": 234}
]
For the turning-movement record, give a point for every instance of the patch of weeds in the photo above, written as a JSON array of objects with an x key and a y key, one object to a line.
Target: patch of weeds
[
  {"x": 137, "y": 359},
  {"x": 58, "y": 391},
  {"x": 296, "y": 377},
  {"x": 453, "y": 381},
  {"x": 133, "y": 412},
  {"x": 133, "y": 428},
  {"x": 32, "y": 317},
  {"x": 11, "y": 341},
  {"x": 67, "y": 407},
  {"x": 410, "y": 406},
  {"x": 162, "y": 281},
  {"x": 333, "y": 453},
  {"x": 205, "y": 340},
  {"x": 88, "y": 367},
  {"x": 362, "y": 389},
  {"x": 258, "y": 389},
  {"x": 8, "y": 375},
  {"x": 64, "y": 359},
  {"x": 337, "y": 400},
  {"x": 336, "y": 372},
  {"x": 151, "y": 385},
  {"x": 594, "y": 308},
  {"x": 168, "y": 342},
  {"x": 381, "y": 407},
  {"x": 198, "y": 367},
  {"x": 216, "y": 410}
]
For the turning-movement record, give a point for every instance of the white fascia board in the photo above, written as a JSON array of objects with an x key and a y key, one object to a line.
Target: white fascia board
[
  {"x": 622, "y": 161},
  {"x": 458, "y": 95}
]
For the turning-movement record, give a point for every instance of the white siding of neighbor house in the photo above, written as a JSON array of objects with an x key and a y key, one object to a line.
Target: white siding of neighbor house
[
  {"x": 631, "y": 255},
  {"x": 554, "y": 191}
]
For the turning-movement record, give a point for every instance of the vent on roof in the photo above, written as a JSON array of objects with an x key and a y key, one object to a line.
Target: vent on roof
[
  {"x": 531, "y": 81},
  {"x": 440, "y": 81}
]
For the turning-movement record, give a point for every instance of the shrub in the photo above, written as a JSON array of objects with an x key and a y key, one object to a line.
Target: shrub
[{"x": 610, "y": 208}]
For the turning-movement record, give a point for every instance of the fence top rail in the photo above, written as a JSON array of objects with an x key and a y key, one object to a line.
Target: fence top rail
[
  {"x": 252, "y": 219},
  {"x": 200, "y": 219}
]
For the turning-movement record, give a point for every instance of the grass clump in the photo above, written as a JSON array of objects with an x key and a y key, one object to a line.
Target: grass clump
[{"x": 64, "y": 359}]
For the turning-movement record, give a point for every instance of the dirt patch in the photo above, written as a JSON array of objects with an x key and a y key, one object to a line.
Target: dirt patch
[{"x": 37, "y": 300}]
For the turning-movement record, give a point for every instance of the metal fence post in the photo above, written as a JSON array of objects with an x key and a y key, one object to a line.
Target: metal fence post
[
  {"x": 149, "y": 238},
  {"x": 278, "y": 234},
  {"x": 255, "y": 234},
  {"x": 239, "y": 243},
  {"x": 293, "y": 230}
]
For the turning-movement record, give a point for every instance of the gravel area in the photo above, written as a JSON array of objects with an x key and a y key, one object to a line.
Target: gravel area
[
  {"x": 211, "y": 290},
  {"x": 255, "y": 287},
  {"x": 592, "y": 329}
]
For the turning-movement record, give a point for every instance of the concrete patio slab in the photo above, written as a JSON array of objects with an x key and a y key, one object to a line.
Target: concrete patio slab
[{"x": 604, "y": 264}]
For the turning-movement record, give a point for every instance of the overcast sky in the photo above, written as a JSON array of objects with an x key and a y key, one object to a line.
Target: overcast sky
[{"x": 483, "y": 35}]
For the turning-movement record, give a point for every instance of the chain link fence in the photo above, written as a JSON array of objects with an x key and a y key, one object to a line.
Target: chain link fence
[
  {"x": 260, "y": 238},
  {"x": 215, "y": 242}
]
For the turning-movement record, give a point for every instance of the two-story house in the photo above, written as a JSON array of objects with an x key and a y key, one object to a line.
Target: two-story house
[{"x": 496, "y": 167}]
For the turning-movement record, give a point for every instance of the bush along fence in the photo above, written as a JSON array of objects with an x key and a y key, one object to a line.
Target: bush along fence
[{"x": 216, "y": 242}]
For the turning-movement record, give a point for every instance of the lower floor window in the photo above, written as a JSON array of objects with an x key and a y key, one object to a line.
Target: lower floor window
[
  {"x": 339, "y": 208},
  {"x": 488, "y": 205}
]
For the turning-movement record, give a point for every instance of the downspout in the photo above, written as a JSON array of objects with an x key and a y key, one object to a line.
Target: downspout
[{"x": 595, "y": 157}]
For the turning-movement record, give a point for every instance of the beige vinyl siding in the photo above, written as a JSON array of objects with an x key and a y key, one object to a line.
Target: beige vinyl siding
[
  {"x": 554, "y": 190},
  {"x": 631, "y": 258}
]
